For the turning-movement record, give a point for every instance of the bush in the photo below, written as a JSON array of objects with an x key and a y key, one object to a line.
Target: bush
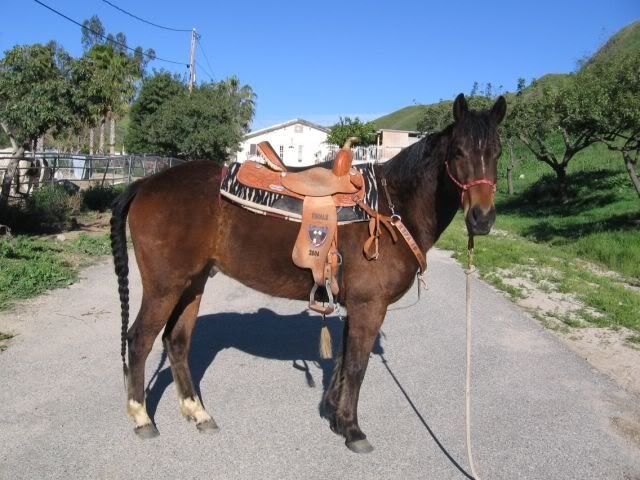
[
  {"x": 99, "y": 197},
  {"x": 50, "y": 205}
]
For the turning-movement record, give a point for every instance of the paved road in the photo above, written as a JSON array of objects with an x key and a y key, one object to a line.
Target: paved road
[{"x": 540, "y": 412}]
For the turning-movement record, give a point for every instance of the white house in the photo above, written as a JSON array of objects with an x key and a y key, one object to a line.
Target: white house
[{"x": 298, "y": 142}]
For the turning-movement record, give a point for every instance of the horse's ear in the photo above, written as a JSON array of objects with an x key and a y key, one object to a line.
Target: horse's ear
[
  {"x": 459, "y": 107},
  {"x": 499, "y": 109}
]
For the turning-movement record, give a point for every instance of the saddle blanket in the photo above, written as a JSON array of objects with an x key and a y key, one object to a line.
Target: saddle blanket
[{"x": 267, "y": 202}]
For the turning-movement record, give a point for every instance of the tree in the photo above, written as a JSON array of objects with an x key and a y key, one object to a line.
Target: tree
[
  {"x": 154, "y": 92},
  {"x": 115, "y": 73},
  {"x": 4, "y": 139},
  {"x": 438, "y": 115},
  {"x": 549, "y": 121},
  {"x": 614, "y": 88},
  {"x": 208, "y": 124},
  {"x": 352, "y": 127},
  {"x": 35, "y": 96},
  {"x": 92, "y": 32}
]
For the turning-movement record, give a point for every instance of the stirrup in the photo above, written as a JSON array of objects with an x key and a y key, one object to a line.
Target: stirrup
[{"x": 317, "y": 307}]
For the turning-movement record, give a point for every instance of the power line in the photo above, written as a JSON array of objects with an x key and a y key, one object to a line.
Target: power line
[
  {"x": 145, "y": 21},
  {"x": 152, "y": 57},
  {"x": 204, "y": 54},
  {"x": 205, "y": 71}
]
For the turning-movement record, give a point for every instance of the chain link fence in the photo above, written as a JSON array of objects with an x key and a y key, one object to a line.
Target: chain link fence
[{"x": 82, "y": 171}]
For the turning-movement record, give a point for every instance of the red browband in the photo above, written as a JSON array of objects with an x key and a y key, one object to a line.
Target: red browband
[{"x": 466, "y": 186}]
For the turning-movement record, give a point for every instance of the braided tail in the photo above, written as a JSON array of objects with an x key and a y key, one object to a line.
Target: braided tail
[{"x": 120, "y": 209}]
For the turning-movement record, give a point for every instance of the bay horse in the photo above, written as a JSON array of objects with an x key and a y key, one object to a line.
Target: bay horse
[{"x": 182, "y": 230}]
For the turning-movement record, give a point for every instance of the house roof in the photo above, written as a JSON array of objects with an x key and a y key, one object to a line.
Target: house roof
[
  {"x": 287, "y": 124},
  {"x": 396, "y": 130}
]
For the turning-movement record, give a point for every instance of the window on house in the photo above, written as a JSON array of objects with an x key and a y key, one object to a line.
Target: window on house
[
  {"x": 252, "y": 149},
  {"x": 281, "y": 152},
  {"x": 299, "y": 153}
]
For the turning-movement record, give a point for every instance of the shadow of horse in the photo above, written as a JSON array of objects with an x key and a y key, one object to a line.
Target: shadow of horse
[{"x": 265, "y": 334}]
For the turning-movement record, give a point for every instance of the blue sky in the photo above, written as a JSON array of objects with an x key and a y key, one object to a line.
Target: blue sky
[{"x": 320, "y": 60}]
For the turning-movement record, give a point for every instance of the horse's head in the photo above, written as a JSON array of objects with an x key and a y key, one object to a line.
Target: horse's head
[{"x": 472, "y": 160}]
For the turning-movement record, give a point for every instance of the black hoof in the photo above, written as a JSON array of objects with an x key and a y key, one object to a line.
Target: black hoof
[
  {"x": 146, "y": 431},
  {"x": 333, "y": 425},
  {"x": 360, "y": 446},
  {"x": 210, "y": 426}
]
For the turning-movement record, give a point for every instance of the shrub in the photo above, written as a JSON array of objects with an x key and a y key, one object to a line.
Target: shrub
[
  {"x": 99, "y": 197},
  {"x": 50, "y": 205}
]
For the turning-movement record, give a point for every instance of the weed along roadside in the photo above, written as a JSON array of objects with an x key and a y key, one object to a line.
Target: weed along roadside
[
  {"x": 591, "y": 306},
  {"x": 33, "y": 264}
]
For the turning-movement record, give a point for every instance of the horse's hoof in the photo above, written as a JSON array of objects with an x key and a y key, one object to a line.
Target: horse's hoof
[
  {"x": 146, "y": 431},
  {"x": 210, "y": 426},
  {"x": 360, "y": 446}
]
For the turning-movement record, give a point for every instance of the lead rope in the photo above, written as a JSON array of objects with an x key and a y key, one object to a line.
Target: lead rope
[{"x": 467, "y": 390}]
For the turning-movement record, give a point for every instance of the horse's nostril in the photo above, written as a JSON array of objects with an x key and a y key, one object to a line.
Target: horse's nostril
[{"x": 475, "y": 214}]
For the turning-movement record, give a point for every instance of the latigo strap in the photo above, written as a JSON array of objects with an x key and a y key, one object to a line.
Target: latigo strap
[{"x": 371, "y": 245}]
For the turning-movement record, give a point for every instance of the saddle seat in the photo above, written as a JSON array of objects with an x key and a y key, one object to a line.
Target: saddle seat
[{"x": 320, "y": 182}]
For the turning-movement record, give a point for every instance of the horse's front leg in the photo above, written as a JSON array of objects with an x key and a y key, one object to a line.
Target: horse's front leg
[{"x": 363, "y": 324}]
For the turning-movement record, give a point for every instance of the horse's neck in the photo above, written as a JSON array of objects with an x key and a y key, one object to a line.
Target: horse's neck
[{"x": 427, "y": 201}]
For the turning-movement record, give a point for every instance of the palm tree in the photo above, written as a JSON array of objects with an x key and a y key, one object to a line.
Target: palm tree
[{"x": 115, "y": 76}]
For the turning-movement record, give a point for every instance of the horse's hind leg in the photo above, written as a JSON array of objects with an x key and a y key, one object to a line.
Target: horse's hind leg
[
  {"x": 153, "y": 316},
  {"x": 177, "y": 342}
]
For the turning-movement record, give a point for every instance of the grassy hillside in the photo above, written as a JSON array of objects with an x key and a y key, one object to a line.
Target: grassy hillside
[
  {"x": 625, "y": 40},
  {"x": 404, "y": 119}
]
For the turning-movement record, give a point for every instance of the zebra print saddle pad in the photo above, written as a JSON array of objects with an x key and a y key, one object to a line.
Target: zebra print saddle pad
[{"x": 268, "y": 202}]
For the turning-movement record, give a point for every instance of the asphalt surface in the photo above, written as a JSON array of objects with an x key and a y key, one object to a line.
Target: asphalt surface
[{"x": 539, "y": 411}]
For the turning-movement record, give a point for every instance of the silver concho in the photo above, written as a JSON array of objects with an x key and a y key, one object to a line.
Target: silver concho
[{"x": 317, "y": 235}]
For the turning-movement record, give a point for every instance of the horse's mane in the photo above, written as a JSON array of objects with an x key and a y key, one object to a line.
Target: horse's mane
[{"x": 415, "y": 161}]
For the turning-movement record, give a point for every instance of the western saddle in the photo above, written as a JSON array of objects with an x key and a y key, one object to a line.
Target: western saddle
[{"x": 323, "y": 193}]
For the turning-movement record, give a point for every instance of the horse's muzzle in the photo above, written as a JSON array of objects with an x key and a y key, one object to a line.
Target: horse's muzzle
[{"x": 479, "y": 222}]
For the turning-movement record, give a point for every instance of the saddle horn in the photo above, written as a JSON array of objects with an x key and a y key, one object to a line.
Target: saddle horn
[{"x": 342, "y": 163}]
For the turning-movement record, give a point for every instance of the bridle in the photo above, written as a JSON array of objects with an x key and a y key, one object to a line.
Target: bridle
[{"x": 466, "y": 186}]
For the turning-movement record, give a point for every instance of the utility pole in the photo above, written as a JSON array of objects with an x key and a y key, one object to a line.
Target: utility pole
[{"x": 192, "y": 61}]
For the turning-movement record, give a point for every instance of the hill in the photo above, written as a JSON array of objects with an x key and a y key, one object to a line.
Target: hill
[
  {"x": 404, "y": 119},
  {"x": 625, "y": 40}
]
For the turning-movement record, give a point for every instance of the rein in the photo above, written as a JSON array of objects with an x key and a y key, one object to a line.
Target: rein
[
  {"x": 466, "y": 186},
  {"x": 467, "y": 387},
  {"x": 396, "y": 221}
]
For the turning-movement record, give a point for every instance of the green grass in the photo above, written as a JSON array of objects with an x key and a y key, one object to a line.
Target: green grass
[
  {"x": 558, "y": 268},
  {"x": 569, "y": 248},
  {"x": 3, "y": 339},
  {"x": 601, "y": 221},
  {"x": 30, "y": 266}
]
